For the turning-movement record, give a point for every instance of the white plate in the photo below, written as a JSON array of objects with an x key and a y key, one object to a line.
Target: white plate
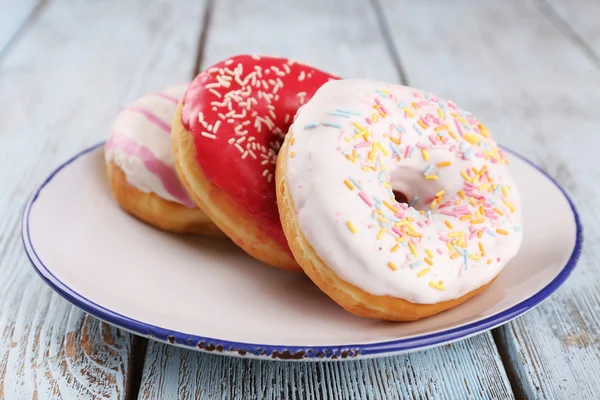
[{"x": 209, "y": 295}]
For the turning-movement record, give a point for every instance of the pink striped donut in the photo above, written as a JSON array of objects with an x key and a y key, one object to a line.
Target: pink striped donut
[{"x": 141, "y": 166}]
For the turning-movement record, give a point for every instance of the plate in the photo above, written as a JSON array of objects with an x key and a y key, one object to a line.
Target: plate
[{"x": 209, "y": 295}]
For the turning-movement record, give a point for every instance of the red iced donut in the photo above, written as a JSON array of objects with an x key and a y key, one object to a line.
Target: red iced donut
[{"x": 226, "y": 135}]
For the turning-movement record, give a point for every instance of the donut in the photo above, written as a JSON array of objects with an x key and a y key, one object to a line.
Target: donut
[
  {"x": 353, "y": 145},
  {"x": 226, "y": 136},
  {"x": 141, "y": 166}
]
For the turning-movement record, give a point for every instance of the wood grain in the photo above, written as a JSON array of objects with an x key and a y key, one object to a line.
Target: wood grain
[
  {"x": 448, "y": 372},
  {"x": 337, "y": 36},
  {"x": 343, "y": 37},
  {"x": 61, "y": 85},
  {"x": 578, "y": 21},
  {"x": 538, "y": 92},
  {"x": 15, "y": 17}
]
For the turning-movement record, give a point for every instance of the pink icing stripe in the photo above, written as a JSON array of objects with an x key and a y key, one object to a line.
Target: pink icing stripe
[
  {"x": 163, "y": 171},
  {"x": 167, "y": 97},
  {"x": 152, "y": 118}
]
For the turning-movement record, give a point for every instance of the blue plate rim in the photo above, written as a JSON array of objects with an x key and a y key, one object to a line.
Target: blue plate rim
[{"x": 283, "y": 352}]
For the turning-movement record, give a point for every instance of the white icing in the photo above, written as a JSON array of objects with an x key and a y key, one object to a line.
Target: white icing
[
  {"x": 136, "y": 126},
  {"x": 315, "y": 176}
]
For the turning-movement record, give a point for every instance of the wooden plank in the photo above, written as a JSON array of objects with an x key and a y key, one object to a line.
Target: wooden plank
[
  {"x": 61, "y": 86},
  {"x": 538, "y": 93},
  {"x": 342, "y": 37},
  {"x": 322, "y": 34},
  {"x": 14, "y": 19},
  {"x": 463, "y": 370},
  {"x": 578, "y": 21}
]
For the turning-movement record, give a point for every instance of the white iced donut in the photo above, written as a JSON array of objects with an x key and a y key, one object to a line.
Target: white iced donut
[
  {"x": 141, "y": 166},
  {"x": 350, "y": 147}
]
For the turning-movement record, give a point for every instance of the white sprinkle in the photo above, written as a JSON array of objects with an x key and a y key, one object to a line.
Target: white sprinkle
[
  {"x": 200, "y": 117},
  {"x": 252, "y": 154},
  {"x": 241, "y": 140},
  {"x": 208, "y": 135},
  {"x": 302, "y": 76},
  {"x": 265, "y": 172},
  {"x": 287, "y": 117},
  {"x": 223, "y": 82},
  {"x": 221, "y": 115},
  {"x": 287, "y": 69},
  {"x": 212, "y": 85},
  {"x": 270, "y": 177},
  {"x": 213, "y": 91},
  {"x": 248, "y": 77},
  {"x": 244, "y": 155},
  {"x": 216, "y": 127},
  {"x": 231, "y": 140},
  {"x": 240, "y": 148},
  {"x": 228, "y": 62}
]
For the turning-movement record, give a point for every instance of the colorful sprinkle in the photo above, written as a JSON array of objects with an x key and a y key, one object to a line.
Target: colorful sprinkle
[
  {"x": 436, "y": 285},
  {"x": 413, "y": 249},
  {"x": 350, "y": 226},
  {"x": 331, "y": 124}
]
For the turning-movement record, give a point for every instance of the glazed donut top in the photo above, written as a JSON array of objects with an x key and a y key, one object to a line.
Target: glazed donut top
[
  {"x": 358, "y": 140},
  {"x": 140, "y": 144},
  {"x": 239, "y": 111}
]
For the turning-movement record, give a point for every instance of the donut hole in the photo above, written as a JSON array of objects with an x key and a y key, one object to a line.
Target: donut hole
[
  {"x": 409, "y": 187},
  {"x": 400, "y": 197}
]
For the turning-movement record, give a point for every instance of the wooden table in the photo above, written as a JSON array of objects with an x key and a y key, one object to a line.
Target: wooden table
[{"x": 529, "y": 69}]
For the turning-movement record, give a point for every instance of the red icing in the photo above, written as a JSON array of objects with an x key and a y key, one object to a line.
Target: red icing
[{"x": 264, "y": 93}]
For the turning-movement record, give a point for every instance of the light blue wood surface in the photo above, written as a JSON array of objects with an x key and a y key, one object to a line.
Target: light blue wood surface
[
  {"x": 529, "y": 68},
  {"x": 465, "y": 370},
  {"x": 15, "y": 18}
]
